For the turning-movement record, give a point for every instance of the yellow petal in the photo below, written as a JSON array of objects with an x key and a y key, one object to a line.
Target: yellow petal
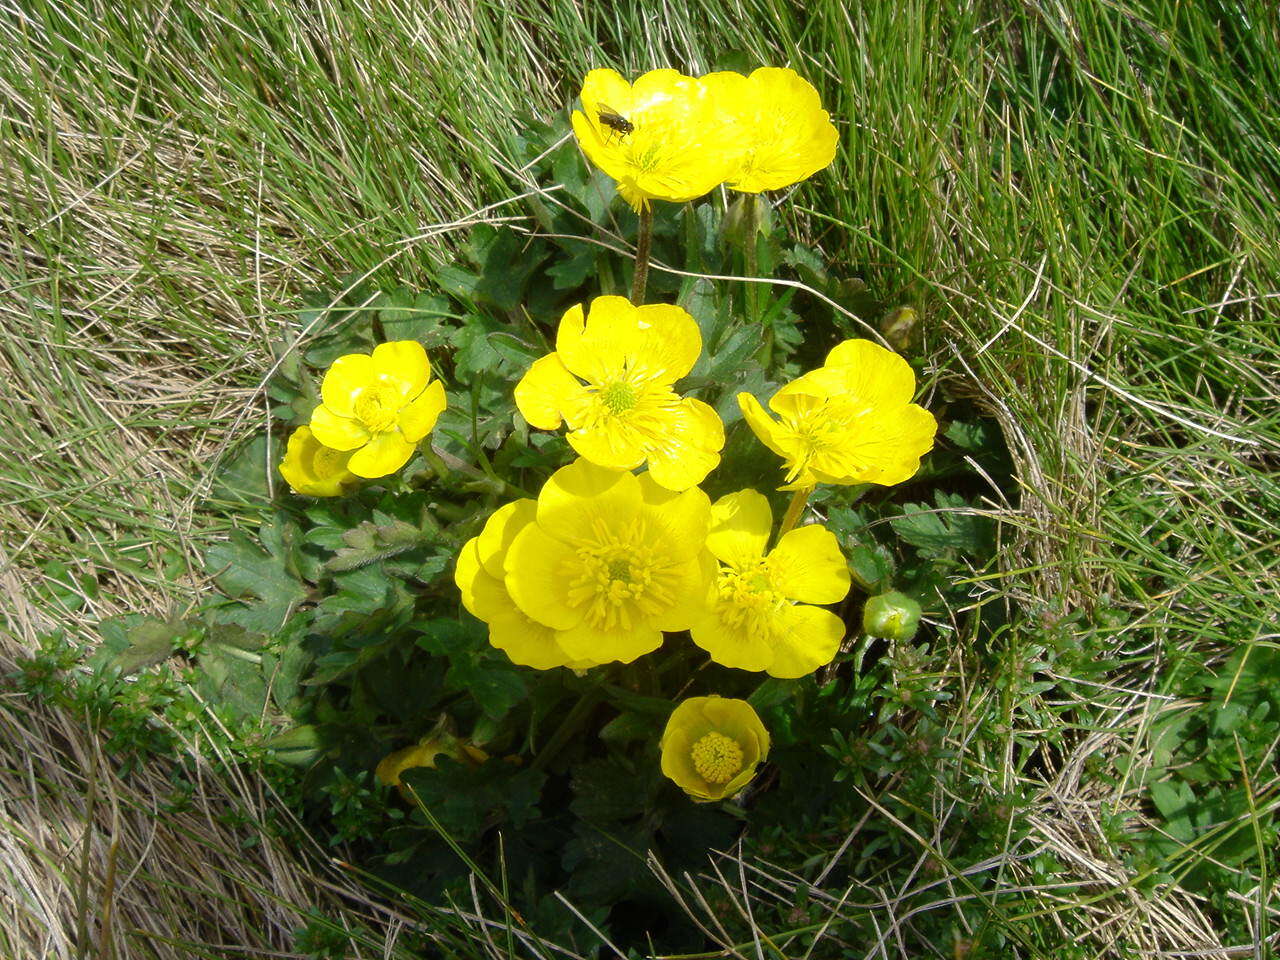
[
  {"x": 404, "y": 365},
  {"x": 576, "y": 499},
  {"x": 587, "y": 642},
  {"x": 604, "y": 93},
  {"x": 418, "y": 418},
  {"x": 761, "y": 424},
  {"x": 729, "y": 644},
  {"x": 609, "y": 444},
  {"x": 500, "y": 531},
  {"x": 785, "y": 134},
  {"x": 466, "y": 572},
  {"x": 692, "y": 720},
  {"x": 740, "y": 527},
  {"x": 384, "y": 454},
  {"x": 546, "y": 391},
  {"x": 692, "y": 584},
  {"x": 811, "y": 639},
  {"x": 605, "y": 150},
  {"x": 738, "y": 719},
  {"x": 875, "y": 375},
  {"x": 593, "y": 345},
  {"x": 665, "y": 343},
  {"x": 536, "y": 577},
  {"x": 338, "y": 432},
  {"x": 690, "y": 448},
  {"x": 527, "y": 642},
  {"x": 888, "y": 451},
  {"x": 346, "y": 377},
  {"x": 679, "y": 521},
  {"x": 807, "y": 565},
  {"x": 312, "y": 469}
]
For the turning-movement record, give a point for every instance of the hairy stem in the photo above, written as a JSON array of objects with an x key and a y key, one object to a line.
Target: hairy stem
[{"x": 643, "y": 241}]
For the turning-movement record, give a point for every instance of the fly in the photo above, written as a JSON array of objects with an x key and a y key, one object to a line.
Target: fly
[{"x": 615, "y": 121}]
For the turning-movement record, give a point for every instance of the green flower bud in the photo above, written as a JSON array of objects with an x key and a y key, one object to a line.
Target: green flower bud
[{"x": 892, "y": 616}]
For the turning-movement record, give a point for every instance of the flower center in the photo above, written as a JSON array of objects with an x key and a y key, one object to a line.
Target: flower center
[
  {"x": 376, "y": 407},
  {"x": 749, "y": 602},
  {"x": 619, "y": 579},
  {"x": 717, "y": 758},
  {"x": 618, "y": 397},
  {"x": 823, "y": 431}
]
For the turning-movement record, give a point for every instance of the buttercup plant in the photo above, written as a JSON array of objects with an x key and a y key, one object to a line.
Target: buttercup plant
[{"x": 554, "y": 582}]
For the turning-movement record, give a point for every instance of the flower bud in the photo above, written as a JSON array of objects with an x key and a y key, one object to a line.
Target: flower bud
[{"x": 892, "y": 616}]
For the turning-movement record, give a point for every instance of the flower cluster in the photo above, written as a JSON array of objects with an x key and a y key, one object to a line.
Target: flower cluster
[
  {"x": 376, "y": 409},
  {"x": 605, "y": 562},
  {"x": 673, "y": 137}
]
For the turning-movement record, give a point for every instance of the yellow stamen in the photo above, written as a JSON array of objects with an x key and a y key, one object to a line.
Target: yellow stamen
[
  {"x": 618, "y": 578},
  {"x": 376, "y": 407},
  {"x": 717, "y": 758}
]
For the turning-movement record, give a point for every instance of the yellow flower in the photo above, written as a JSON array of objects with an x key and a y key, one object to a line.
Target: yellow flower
[
  {"x": 754, "y": 622},
  {"x": 611, "y": 561},
  {"x": 314, "y": 470},
  {"x": 626, "y": 413},
  {"x": 849, "y": 421},
  {"x": 479, "y": 576},
  {"x": 423, "y": 754},
  {"x": 778, "y": 121},
  {"x": 378, "y": 406},
  {"x": 661, "y": 138},
  {"x": 712, "y": 746}
]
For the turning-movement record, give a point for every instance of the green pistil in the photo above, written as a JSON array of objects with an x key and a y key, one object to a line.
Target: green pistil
[{"x": 618, "y": 397}]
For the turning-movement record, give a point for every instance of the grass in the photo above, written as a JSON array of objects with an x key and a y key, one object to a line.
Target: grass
[{"x": 1079, "y": 199}]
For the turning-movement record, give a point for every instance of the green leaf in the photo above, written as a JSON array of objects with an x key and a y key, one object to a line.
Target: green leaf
[
  {"x": 150, "y": 642},
  {"x": 572, "y": 272},
  {"x": 495, "y": 686},
  {"x": 935, "y": 530},
  {"x": 370, "y": 542},
  {"x": 233, "y": 681},
  {"x": 629, "y": 726},
  {"x": 421, "y": 317},
  {"x": 244, "y": 572}
]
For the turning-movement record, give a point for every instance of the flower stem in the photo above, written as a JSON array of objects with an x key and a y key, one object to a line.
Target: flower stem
[
  {"x": 794, "y": 511},
  {"x": 643, "y": 241},
  {"x": 751, "y": 268},
  {"x": 568, "y": 727}
]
